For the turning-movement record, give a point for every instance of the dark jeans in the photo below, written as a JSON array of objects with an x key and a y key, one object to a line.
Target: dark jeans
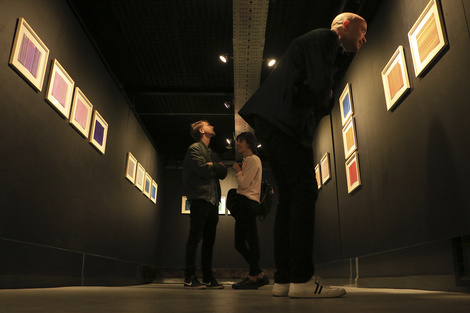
[
  {"x": 293, "y": 169},
  {"x": 246, "y": 233},
  {"x": 203, "y": 224}
]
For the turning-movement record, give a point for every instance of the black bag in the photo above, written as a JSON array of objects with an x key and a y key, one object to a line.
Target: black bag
[
  {"x": 266, "y": 199},
  {"x": 232, "y": 201}
]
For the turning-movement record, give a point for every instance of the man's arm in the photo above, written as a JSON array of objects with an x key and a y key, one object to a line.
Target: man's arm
[
  {"x": 199, "y": 165},
  {"x": 219, "y": 167}
]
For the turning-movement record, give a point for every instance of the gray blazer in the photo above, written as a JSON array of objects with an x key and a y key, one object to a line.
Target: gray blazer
[{"x": 197, "y": 175}]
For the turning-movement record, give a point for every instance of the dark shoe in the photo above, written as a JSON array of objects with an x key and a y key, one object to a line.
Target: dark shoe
[
  {"x": 262, "y": 281},
  {"x": 213, "y": 284},
  {"x": 247, "y": 283},
  {"x": 193, "y": 283}
]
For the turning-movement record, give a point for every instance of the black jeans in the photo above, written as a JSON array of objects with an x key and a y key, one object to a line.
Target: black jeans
[
  {"x": 203, "y": 224},
  {"x": 293, "y": 169},
  {"x": 246, "y": 233}
]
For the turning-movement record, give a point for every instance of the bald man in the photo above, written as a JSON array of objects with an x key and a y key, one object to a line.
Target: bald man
[{"x": 285, "y": 111}]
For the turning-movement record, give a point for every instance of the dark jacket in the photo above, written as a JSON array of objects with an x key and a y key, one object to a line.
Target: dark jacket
[
  {"x": 197, "y": 174},
  {"x": 296, "y": 95}
]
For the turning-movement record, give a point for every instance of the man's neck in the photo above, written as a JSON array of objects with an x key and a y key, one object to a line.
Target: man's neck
[{"x": 206, "y": 141}]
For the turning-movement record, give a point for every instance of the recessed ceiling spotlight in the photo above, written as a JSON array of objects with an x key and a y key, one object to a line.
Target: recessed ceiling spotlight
[
  {"x": 227, "y": 104},
  {"x": 271, "y": 62},
  {"x": 223, "y": 58}
]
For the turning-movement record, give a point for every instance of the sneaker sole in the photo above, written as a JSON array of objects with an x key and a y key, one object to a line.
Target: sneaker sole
[{"x": 310, "y": 295}]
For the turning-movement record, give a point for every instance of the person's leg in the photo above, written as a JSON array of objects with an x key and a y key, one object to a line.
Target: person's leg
[
  {"x": 197, "y": 222},
  {"x": 208, "y": 240},
  {"x": 250, "y": 231},
  {"x": 292, "y": 166},
  {"x": 267, "y": 136},
  {"x": 240, "y": 240}
]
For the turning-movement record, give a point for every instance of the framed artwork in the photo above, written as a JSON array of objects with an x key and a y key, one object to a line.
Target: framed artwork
[
  {"x": 346, "y": 104},
  {"x": 325, "y": 168},
  {"x": 349, "y": 138},
  {"x": 131, "y": 167},
  {"x": 140, "y": 177},
  {"x": 353, "y": 174},
  {"x": 318, "y": 176},
  {"x": 82, "y": 110},
  {"x": 185, "y": 205},
  {"x": 147, "y": 185},
  {"x": 99, "y": 132},
  {"x": 427, "y": 37},
  {"x": 60, "y": 89},
  {"x": 29, "y": 55},
  {"x": 395, "y": 78},
  {"x": 153, "y": 192},
  {"x": 222, "y": 205}
]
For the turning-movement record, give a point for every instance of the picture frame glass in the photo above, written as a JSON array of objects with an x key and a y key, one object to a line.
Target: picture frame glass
[
  {"x": 140, "y": 177},
  {"x": 60, "y": 89},
  {"x": 29, "y": 55},
  {"x": 99, "y": 132},
  {"x": 349, "y": 138},
  {"x": 80, "y": 116},
  {"x": 427, "y": 37},
  {"x": 131, "y": 167},
  {"x": 346, "y": 104},
  {"x": 395, "y": 78}
]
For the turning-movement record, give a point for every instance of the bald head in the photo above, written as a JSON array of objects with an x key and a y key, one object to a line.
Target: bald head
[
  {"x": 351, "y": 29},
  {"x": 345, "y": 16}
]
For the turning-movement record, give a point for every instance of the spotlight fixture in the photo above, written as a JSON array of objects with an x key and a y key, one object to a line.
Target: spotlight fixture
[
  {"x": 224, "y": 57},
  {"x": 271, "y": 62},
  {"x": 258, "y": 146},
  {"x": 227, "y": 104},
  {"x": 229, "y": 144}
]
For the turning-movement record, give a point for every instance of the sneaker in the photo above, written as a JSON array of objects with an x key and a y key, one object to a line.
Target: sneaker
[
  {"x": 213, "y": 284},
  {"x": 247, "y": 283},
  {"x": 280, "y": 290},
  {"x": 193, "y": 283},
  {"x": 314, "y": 288},
  {"x": 263, "y": 281}
]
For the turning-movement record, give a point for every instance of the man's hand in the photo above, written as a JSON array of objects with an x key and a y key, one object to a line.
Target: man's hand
[{"x": 210, "y": 163}]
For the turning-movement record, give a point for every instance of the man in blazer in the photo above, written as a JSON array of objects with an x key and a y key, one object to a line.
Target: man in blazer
[
  {"x": 202, "y": 170},
  {"x": 285, "y": 111}
]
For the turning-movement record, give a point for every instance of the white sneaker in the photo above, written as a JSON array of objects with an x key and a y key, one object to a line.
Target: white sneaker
[
  {"x": 314, "y": 288},
  {"x": 280, "y": 290}
]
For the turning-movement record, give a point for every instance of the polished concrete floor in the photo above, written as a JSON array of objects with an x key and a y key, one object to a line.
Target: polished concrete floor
[{"x": 174, "y": 298}]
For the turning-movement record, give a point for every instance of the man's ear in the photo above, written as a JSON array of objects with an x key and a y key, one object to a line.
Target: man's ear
[{"x": 346, "y": 24}]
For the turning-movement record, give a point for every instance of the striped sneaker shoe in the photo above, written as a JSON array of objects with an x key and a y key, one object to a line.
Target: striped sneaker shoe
[{"x": 314, "y": 288}]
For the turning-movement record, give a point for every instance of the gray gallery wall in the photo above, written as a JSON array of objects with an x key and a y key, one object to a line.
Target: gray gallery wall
[{"x": 67, "y": 214}]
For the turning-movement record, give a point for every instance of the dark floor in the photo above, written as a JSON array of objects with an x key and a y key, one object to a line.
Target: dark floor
[{"x": 174, "y": 298}]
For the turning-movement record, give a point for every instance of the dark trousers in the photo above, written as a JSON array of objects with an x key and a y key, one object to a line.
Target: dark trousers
[
  {"x": 246, "y": 233},
  {"x": 203, "y": 224},
  {"x": 293, "y": 168}
]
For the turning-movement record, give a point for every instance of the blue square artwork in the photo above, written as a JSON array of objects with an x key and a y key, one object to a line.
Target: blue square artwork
[{"x": 346, "y": 105}]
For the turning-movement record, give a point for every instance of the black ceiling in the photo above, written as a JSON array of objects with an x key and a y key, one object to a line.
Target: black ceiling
[{"x": 164, "y": 56}]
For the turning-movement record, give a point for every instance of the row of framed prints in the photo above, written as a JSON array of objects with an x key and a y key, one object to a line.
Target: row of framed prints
[
  {"x": 186, "y": 206},
  {"x": 353, "y": 175},
  {"x": 136, "y": 174},
  {"x": 323, "y": 171},
  {"x": 427, "y": 40},
  {"x": 29, "y": 57}
]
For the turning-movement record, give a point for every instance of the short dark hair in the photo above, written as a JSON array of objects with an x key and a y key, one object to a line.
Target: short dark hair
[
  {"x": 195, "y": 127},
  {"x": 250, "y": 139}
]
